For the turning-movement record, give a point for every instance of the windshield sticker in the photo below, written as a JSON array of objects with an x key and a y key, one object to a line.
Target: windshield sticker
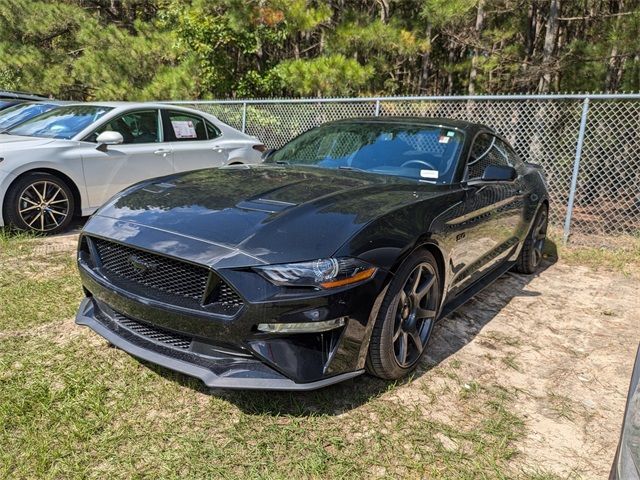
[
  {"x": 429, "y": 173},
  {"x": 184, "y": 129},
  {"x": 443, "y": 139},
  {"x": 451, "y": 133}
]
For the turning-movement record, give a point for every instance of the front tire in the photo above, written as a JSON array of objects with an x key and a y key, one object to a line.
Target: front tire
[
  {"x": 40, "y": 203},
  {"x": 406, "y": 318},
  {"x": 530, "y": 256}
]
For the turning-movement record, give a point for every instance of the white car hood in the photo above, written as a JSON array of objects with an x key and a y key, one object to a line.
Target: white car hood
[{"x": 17, "y": 142}]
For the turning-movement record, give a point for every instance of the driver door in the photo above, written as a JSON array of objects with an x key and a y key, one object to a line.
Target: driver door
[
  {"x": 491, "y": 214},
  {"x": 142, "y": 155}
]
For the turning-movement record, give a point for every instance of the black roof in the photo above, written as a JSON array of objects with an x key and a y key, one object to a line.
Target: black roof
[
  {"x": 11, "y": 95},
  {"x": 398, "y": 120}
]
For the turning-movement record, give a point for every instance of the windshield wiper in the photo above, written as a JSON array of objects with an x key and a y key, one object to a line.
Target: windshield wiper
[{"x": 282, "y": 162}]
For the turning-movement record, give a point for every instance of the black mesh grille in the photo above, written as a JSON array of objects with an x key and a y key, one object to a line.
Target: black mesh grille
[
  {"x": 151, "y": 270},
  {"x": 227, "y": 298},
  {"x": 153, "y": 333}
]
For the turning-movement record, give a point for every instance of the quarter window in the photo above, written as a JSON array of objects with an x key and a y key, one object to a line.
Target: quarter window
[
  {"x": 135, "y": 127},
  {"x": 212, "y": 131},
  {"x": 487, "y": 150},
  {"x": 512, "y": 157}
]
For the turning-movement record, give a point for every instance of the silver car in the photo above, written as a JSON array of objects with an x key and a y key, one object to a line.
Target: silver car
[{"x": 72, "y": 159}]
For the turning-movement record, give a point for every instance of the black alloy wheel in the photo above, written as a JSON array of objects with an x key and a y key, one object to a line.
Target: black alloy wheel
[
  {"x": 406, "y": 318},
  {"x": 414, "y": 317}
]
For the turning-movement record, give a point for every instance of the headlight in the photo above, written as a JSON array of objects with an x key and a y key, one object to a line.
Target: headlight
[{"x": 323, "y": 273}]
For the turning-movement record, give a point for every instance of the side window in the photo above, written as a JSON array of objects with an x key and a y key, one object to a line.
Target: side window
[
  {"x": 486, "y": 150},
  {"x": 135, "y": 127},
  {"x": 187, "y": 127}
]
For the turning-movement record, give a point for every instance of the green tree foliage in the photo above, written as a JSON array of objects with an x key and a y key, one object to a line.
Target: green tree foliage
[
  {"x": 163, "y": 49},
  {"x": 330, "y": 75}
]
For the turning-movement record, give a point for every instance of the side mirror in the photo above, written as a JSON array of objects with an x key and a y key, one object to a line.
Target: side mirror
[
  {"x": 499, "y": 173},
  {"x": 109, "y": 138},
  {"x": 267, "y": 153}
]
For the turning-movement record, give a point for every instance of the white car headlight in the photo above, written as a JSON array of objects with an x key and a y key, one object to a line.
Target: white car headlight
[{"x": 323, "y": 273}]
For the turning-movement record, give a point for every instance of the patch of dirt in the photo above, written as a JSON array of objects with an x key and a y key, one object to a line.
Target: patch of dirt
[
  {"x": 564, "y": 340},
  {"x": 66, "y": 242},
  {"x": 60, "y": 332}
]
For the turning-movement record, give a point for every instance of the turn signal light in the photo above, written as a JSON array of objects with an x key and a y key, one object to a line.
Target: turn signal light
[{"x": 358, "y": 277}]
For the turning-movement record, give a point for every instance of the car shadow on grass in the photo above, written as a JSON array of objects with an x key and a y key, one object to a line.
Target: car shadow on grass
[{"x": 450, "y": 334}]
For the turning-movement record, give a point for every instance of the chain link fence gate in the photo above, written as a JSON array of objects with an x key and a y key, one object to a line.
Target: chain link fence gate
[{"x": 589, "y": 145}]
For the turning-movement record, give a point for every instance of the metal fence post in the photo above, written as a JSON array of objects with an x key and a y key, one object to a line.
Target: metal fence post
[
  {"x": 377, "y": 107},
  {"x": 244, "y": 117},
  {"x": 576, "y": 168}
]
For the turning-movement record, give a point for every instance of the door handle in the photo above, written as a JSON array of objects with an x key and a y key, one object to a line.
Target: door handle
[{"x": 162, "y": 151}]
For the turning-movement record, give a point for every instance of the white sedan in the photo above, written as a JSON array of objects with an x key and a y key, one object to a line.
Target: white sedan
[{"x": 72, "y": 159}]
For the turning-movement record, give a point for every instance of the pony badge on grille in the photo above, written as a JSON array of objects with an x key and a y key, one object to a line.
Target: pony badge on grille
[{"x": 142, "y": 267}]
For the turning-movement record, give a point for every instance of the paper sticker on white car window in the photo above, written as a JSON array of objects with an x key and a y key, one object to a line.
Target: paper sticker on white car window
[
  {"x": 184, "y": 129},
  {"x": 429, "y": 173}
]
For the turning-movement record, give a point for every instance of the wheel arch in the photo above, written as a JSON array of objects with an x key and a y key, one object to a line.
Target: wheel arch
[
  {"x": 77, "y": 198},
  {"x": 432, "y": 247}
]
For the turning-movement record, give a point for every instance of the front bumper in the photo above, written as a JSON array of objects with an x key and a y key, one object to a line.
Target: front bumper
[
  {"x": 215, "y": 371},
  {"x": 227, "y": 349},
  {"x": 5, "y": 182}
]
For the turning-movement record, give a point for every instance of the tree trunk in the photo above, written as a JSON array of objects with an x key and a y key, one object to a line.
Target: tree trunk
[
  {"x": 426, "y": 65},
  {"x": 384, "y": 10},
  {"x": 452, "y": 61},
  {"x": 550, "y": 38},
  {"x": 614, "y": 65},
  {"x": 476, "y": 52}
]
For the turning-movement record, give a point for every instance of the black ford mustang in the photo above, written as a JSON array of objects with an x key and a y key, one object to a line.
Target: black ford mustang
[{"x": 335, "y": 256}]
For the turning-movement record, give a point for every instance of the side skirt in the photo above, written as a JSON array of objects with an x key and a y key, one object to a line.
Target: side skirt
[{"x": 475, "y": 288}]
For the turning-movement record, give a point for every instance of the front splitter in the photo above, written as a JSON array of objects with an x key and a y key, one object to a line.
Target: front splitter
[{"x": 87, "y": 316}]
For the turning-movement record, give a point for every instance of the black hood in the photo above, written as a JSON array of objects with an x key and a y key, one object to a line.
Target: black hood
[{"x": 276, "y": 214}]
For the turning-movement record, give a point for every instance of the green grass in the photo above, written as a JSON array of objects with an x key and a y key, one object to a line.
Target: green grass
[
  {"x": 39, "y": 283},
  {"x": 78, "y": 409},
  {"x": 561, "y": 405},
  {"x": 71, "y": 407},
  {"x": 620, "y": 254}
]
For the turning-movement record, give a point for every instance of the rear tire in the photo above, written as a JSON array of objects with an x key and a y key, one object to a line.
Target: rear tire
[
  {"x": 406, "y": 318},
  {"x": 530, "y": 256},
  {"x": 40, "y": 203}
]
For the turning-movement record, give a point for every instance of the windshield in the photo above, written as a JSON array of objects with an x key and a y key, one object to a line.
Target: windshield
[
  {"x": 423, "y": 152},
  {"x": 63, "y": 122},
  {"x": 24, "y": 111}
]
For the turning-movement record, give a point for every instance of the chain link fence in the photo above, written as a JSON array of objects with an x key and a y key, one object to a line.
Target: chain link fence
[{"x": 589, "y": 145}]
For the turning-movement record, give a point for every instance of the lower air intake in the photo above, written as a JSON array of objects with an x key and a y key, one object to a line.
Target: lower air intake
[{"x": 153, "y": 333}]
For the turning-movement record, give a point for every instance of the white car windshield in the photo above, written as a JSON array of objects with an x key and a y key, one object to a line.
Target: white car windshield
[
  {"x": 63, "y": 122},
  {"x": 22, "y": 112}
]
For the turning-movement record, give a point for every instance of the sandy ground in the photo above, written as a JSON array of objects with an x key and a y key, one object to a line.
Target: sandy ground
[{"x": 563, "y": 339}]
